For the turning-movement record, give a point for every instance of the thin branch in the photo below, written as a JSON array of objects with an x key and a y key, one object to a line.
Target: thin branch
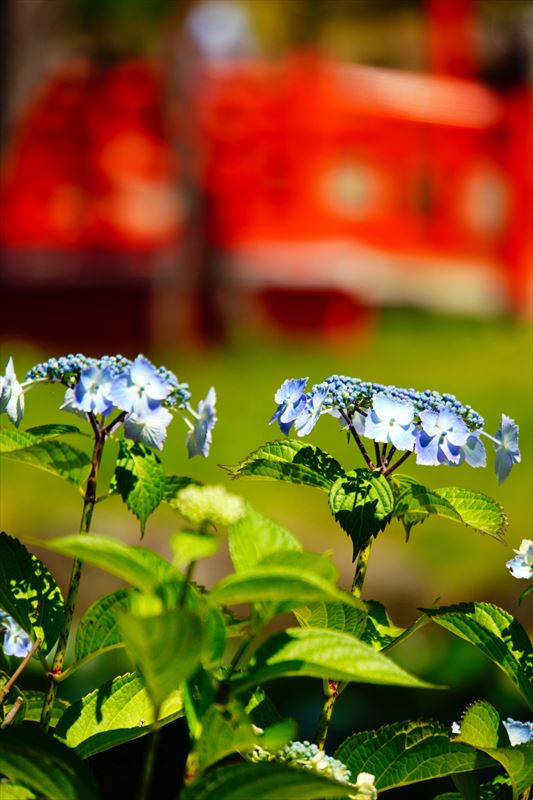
[
  {"x": 358, "y": 441},
  {"x": 397, "y": 464},
  {"x": 18, "y": 671},
  {"x": 115, "y": 424},
  {"x": 13, "y": 711}
]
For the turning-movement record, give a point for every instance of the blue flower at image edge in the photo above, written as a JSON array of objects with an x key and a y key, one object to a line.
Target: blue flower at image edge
[
  {"x": 518, "y": 732},
  {"x": 11, "y": 394},
  {"x": 198, "y": 439},
  {"x": 521, "y": 566},
  {"x": 16, "y": 641}
]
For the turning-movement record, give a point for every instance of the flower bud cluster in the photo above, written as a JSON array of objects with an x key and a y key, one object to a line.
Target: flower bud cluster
[{"x": 437, "y": 427}]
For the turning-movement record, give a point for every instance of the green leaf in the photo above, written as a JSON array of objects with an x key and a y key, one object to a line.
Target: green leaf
[
  {"x": 139, "y": 479},
  {"x": 174, "y": 484},
  {"x": 333, "y": 615},
  {"x": 323, "y": 654},
  {"x": 497, "y": 634},
  {"x": 255, "y": 536},
  {"x": 380, "y": 630},
  {"x": 480, "y": 728},
  {"x": 99, "y": 627},
  {"x": 45, "y": 765},
  {"x": 408, "y": 752},
  {"x": 45, "y": 453},
  {"x": 214, "y": 639},
  {"x": 290, "y": 460},
  {"x": 475, "y": 510},
  {"x": 117, "y": 712},
  {"x": 286, "y": 586},
  {"x": 33, "y": 706},
  {"x": 15, "y": 791},
  {"x": 362, "y": 503},
  {"x": 264, "y": 782},
  {"x": 166, "y": 649},
  {"x": 29, "y": 593},
  {"x": 189, "y": 546},
  {"x": 228, "y": 729},
  {"x": 44, "y": 432},
  {"x": 141, "y": 567}
]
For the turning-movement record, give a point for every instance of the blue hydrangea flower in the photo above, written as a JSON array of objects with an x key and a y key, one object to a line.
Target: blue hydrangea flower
[
  {"x": 391, "y": 421},
  {"x": 198, "y": 439},
  {"x": 11, "y": 394},
  {"x": 308, "y": 418},
  {"x": 140, "y": 389},
  {"x": 521, "y": 566},
  {"x": 473, "y": 452},
  {"x": 92, "y": 392},
  {"x": 16, "y": 641},
  {"x": 150, "y": 430},
  {"x": 291, "y": 402},
  {"x": 506, "y": 445},
  {"x": 441, "y": 437},
  {"x": 518, "y": 732}
]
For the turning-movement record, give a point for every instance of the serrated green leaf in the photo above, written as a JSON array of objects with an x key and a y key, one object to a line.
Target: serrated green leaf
[
  {"x": 166, "y": 649},
  {"x": 279, "y": 587},
  {"x": 45, "y": 453},
  {"x": 362, "y": 503},
  {"x": 415, "y": 503},
  {"x": 255, "y": 536},
  {"x": 290, "y": 460},
  {"x": 141, "y": 567},
  {"x": 214, "y": 639},
  {"x": 333, "y": 615},
  {"x": 99, "y": 627},
  {"x": 323, "y": 654},
  {"x": 189, "y": 546},
  {"x": 117, "y": 712},
  {"x": 139, "y": 479},
  {"x": 380, "y": 630},
  {"x": 44, "y": 765},
  {"x": 480, "y": 728},
  {"x": 497, "y": 634},
  {"x": 408, "y": 752},
  {"x": 29, "y": 593},
  {"x": 264, "y": 782}
]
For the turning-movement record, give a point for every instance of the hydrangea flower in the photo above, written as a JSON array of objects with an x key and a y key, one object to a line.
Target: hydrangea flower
[
  {"x": 391, "y": 421},
  {"x": 139, "y": 390},
  {"x": 436, "y": 426},
  {"x": 506, "y": 445},
  {"x": 518, "y": 732},
  {"x": 440, "y": 438},
  {"x": 290, "y": 398},
  {"x": 305, "y": 755},
  {"x": 521, "y": 566},
  {"x": 198, "y": 439},
  {"x": 16, "y": 641},
  {"x": 92, "y": 391},
  {"x": 365, "y": 787},
  {"x": 145, "y": 397},
  {"x": 11, "y": 394}
]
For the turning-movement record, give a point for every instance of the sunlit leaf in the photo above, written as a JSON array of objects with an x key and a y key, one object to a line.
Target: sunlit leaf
[
  {"x": 139, "y": 479},
  {"x": 362, "y": 503}
]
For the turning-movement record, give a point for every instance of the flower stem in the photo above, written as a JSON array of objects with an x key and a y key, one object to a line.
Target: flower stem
[
  {"x": 151, "y": 753},
  {"x": 325, "y": 715},
  {"x": 75, "y": 575},
  {"x": 397, "y": 464},
  {"x": 358, "y": 442},
  {"x": 12, "y": 713},
  {"x": 360, "y": 570}
]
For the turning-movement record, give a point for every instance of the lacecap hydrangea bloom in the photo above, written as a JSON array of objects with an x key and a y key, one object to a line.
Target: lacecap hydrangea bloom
[
  {"x": 436, "y": 427},
  {"x": 143, "y": 397},
  {"x": 16, "y": 642},
  {"x": 521, "y": 566},
  {"x": 518, "y": 732}
]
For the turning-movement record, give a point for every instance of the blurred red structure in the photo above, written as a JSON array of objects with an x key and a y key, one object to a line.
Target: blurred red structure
[{"x": 351, "y": 184}]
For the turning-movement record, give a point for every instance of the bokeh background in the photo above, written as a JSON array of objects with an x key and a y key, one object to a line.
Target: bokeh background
[{"x": 250, "y": 190}]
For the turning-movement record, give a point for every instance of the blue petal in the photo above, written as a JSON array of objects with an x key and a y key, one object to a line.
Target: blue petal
[
  {"x": 518, "y": 732},
  {"x": 427, "y": 449},
  {"x": 376, "y": 428},
  {"x": 473, "y": 452},
  {"x": 290, "y": 390},
  {"x": 503, "y": 464},
  {"x": 403, "y": 438}
]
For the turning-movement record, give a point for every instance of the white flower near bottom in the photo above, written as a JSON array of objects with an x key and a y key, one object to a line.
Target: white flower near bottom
[
  {"x": 365, "y": 787},
  {"x": 521, "y": 566}
]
